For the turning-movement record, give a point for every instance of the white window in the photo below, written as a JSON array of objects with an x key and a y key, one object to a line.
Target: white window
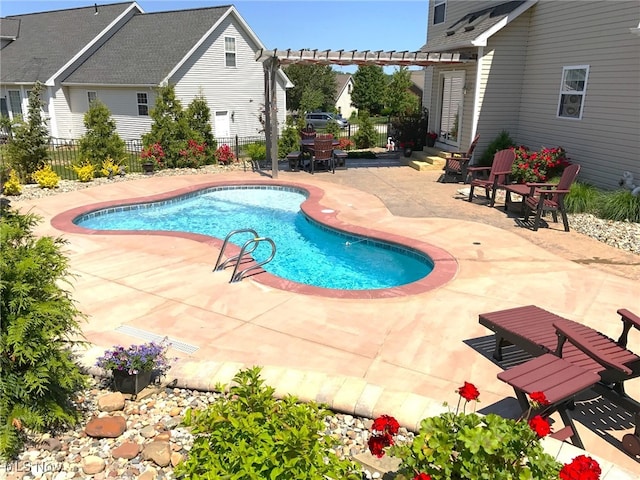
[
  {"x": 439, "y": 9},
  {"x": 572, "y": 91},
  {"x": 15, "y": 103},
  {"x": 91, "y": 96},
  {"x": 143, "y": 104},
  {"x": 229, "y": 51}
]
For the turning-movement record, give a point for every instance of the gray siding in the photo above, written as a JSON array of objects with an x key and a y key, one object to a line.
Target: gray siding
[
  {"x": 605, "y": 142},
  {"x": 237, "y": 89}
]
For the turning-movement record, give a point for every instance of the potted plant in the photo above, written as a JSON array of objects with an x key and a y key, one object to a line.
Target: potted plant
[
  {"x": 407, "y": 147},
  {"x": 152, "y": 156},
  {"x": 132, "y": 367},
  {"x": 431, "y": 138}
]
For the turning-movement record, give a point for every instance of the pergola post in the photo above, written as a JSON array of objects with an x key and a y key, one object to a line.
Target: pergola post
[{"x": 271, "y": 112}]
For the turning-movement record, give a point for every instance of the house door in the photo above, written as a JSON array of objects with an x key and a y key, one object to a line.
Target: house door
[
  {"x": 451, "y": 86},
  {"x": 221, "y": 126}
]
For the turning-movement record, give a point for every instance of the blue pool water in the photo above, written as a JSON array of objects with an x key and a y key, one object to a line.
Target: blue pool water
[{"x": 306, "y": 251}]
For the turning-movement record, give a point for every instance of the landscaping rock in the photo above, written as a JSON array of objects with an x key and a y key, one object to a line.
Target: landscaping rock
[
  {"x": 111, "y": 402},
  {"x": 106, "y": 427},
  {"x": 127, "y": 450},
  {"x": 92, "y": 464},
  {"x": 158, "y": 452}
]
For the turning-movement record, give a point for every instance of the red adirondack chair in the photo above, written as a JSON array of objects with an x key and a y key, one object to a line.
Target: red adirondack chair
[
  {"x": 456, "y": 163},
  {"x": 499, "y": 173}
]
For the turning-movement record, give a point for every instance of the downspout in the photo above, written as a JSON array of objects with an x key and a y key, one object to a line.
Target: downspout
[{"x": 476, "y": 94}]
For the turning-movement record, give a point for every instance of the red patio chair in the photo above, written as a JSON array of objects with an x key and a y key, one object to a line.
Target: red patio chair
[
  {"x": 499, "y": 173},
  {"x": 455, "y": 165}
]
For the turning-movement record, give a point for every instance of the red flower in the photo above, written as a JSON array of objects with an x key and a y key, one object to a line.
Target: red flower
[
  {"x": 422, "y": 476},
  {"x": 539, "y": 398},
  {"x": 540, "y": 426},
  {"x": 386, "y": 424},
  {"x": 581, "y": 468},
  {"x": 377, "y": 444},
  {"x": 468, "y": 391}
]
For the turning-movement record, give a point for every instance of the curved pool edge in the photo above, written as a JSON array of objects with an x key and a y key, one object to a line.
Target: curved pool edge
[{"x": 445, "y": 266}]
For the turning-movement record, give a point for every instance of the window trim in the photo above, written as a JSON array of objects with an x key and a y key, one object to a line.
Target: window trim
[
  {"x": 436, "y": 4},
  {"x": 563, "y": 92},
  {"x": 144, "y": 104},
  {"x": 12, "y": 107},
  {"x": 229, "y": 52}
]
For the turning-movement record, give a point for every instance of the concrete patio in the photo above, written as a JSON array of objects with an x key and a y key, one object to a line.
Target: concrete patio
[{"x": 403, "y": 356}]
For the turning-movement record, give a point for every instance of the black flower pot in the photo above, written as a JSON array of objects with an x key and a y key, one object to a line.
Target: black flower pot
[
  {"x": 407, "y": 152},
  {"x": 130, "y": 383},
  {"x": 147, "y": 168},
  {"x": 431, "y": 141}
]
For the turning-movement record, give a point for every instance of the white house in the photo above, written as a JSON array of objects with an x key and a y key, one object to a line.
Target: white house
[
  {"x": 344, "y": 87},
  {"x": 551, "y": 73},
  {"x": 120, "y": 54}
]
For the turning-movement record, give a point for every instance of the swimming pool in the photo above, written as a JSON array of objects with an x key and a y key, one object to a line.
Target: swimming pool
[{"x": 307, "y": 251}]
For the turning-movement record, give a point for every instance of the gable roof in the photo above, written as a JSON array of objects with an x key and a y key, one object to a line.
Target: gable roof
[
  {"x": 148, "y": 47},
  {"x": 48, "y": 41},
  {"x": 473, "y": 29},
  {"x": 341, "y": 83}
]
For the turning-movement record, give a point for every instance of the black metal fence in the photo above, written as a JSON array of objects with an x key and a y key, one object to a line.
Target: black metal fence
[{"x": 64, "y": 153}]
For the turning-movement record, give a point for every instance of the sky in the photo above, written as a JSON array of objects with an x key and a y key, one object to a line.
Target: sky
[{"x": 329, "y": 24}]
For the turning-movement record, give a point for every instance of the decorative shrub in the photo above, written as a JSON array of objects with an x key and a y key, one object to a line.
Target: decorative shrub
[
  {"x": 619, "y": 205},
  {"x": 110, "y": 168},
  {"x": 12, "y": 186},
  {"x": 257, "y": 151},
  {"x": 345, "y": 144},
  {"x": 194, "y": 156},
  {"x": 101, "y": 139},
  {"x": 582, "y": 198},
  {"x": 46, "y": 177},
  {"x": 289, "y": 141},
  {"x": 224, "y": 154},
  {"x": 366, "y": 136},
  {"x": 85, "y": 171},
  {"x": 501, "y": 142},
  {"x": 538, "y": 166},
  {"x": 40, "y": 376},
  {"x": 250, "y": 434}
]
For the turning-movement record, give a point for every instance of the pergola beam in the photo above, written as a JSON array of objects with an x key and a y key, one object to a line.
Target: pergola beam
[{"x": 273, "y": 59}]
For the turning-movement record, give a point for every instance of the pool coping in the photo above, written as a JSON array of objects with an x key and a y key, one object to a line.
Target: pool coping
[{"x": 445, "y": 266}]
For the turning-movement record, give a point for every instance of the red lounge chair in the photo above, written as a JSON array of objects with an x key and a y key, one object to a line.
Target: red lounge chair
[
  {"x": 499, "y": 173},
  {"x": 578, "y": 351},
  {"x": 455, "y": 165},
  {"x": 322, "y": 153}
]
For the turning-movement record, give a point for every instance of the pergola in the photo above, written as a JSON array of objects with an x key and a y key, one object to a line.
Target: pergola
[{"x": 272, "y": 60}]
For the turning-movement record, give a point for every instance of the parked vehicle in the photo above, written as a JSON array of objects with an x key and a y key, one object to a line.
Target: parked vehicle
[{"x": 320, "y": 119}]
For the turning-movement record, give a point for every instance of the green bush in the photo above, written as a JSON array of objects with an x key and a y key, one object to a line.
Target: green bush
[
  {"x": 289, "y": 141},
  {"x": 198, "y": 116},
  {"x": 620, "y": 205},
  {"x": 257, "y": 151},
  {"x": 501, "y": 142},
  {"x": 251, "y": 435},
  {"x": 366, "y": 136},
  {"x": 333, "y": 128},
  {"x": 100, "y": 141},
  {"x": 28, "y": 150},
  {"x": 39, "y": 375},
  {"x": 582, "y": 198}
]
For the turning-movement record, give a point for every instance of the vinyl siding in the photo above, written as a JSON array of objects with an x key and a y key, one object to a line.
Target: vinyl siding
[
  {"x": 121, "y": 102},
  {"x": 238, "y": 89},
  {"x": 343, "y": 103},
  {"x": 605, "y": 142}
]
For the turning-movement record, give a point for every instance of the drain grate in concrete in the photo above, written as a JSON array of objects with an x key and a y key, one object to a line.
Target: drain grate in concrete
[{"x": 154, "y": 337}]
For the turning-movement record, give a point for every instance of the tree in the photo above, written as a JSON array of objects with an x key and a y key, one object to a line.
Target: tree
[
  {"x": 101, "y": 140},
  {"x": 366, "y": 136},
  {"x": 314, "y": 87},
  {"x": 39, "y": 318},
  {"x": 170, "y": 126},
  {"x": 199, "y": 120},
  {"x": 28, "y": 150},
  {"x": 400, "y": 100},
  {"x": 369, "y": 88}
]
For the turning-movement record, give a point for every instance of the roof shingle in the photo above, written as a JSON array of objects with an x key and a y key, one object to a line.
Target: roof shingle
[{"x": 48, "y": 40}]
